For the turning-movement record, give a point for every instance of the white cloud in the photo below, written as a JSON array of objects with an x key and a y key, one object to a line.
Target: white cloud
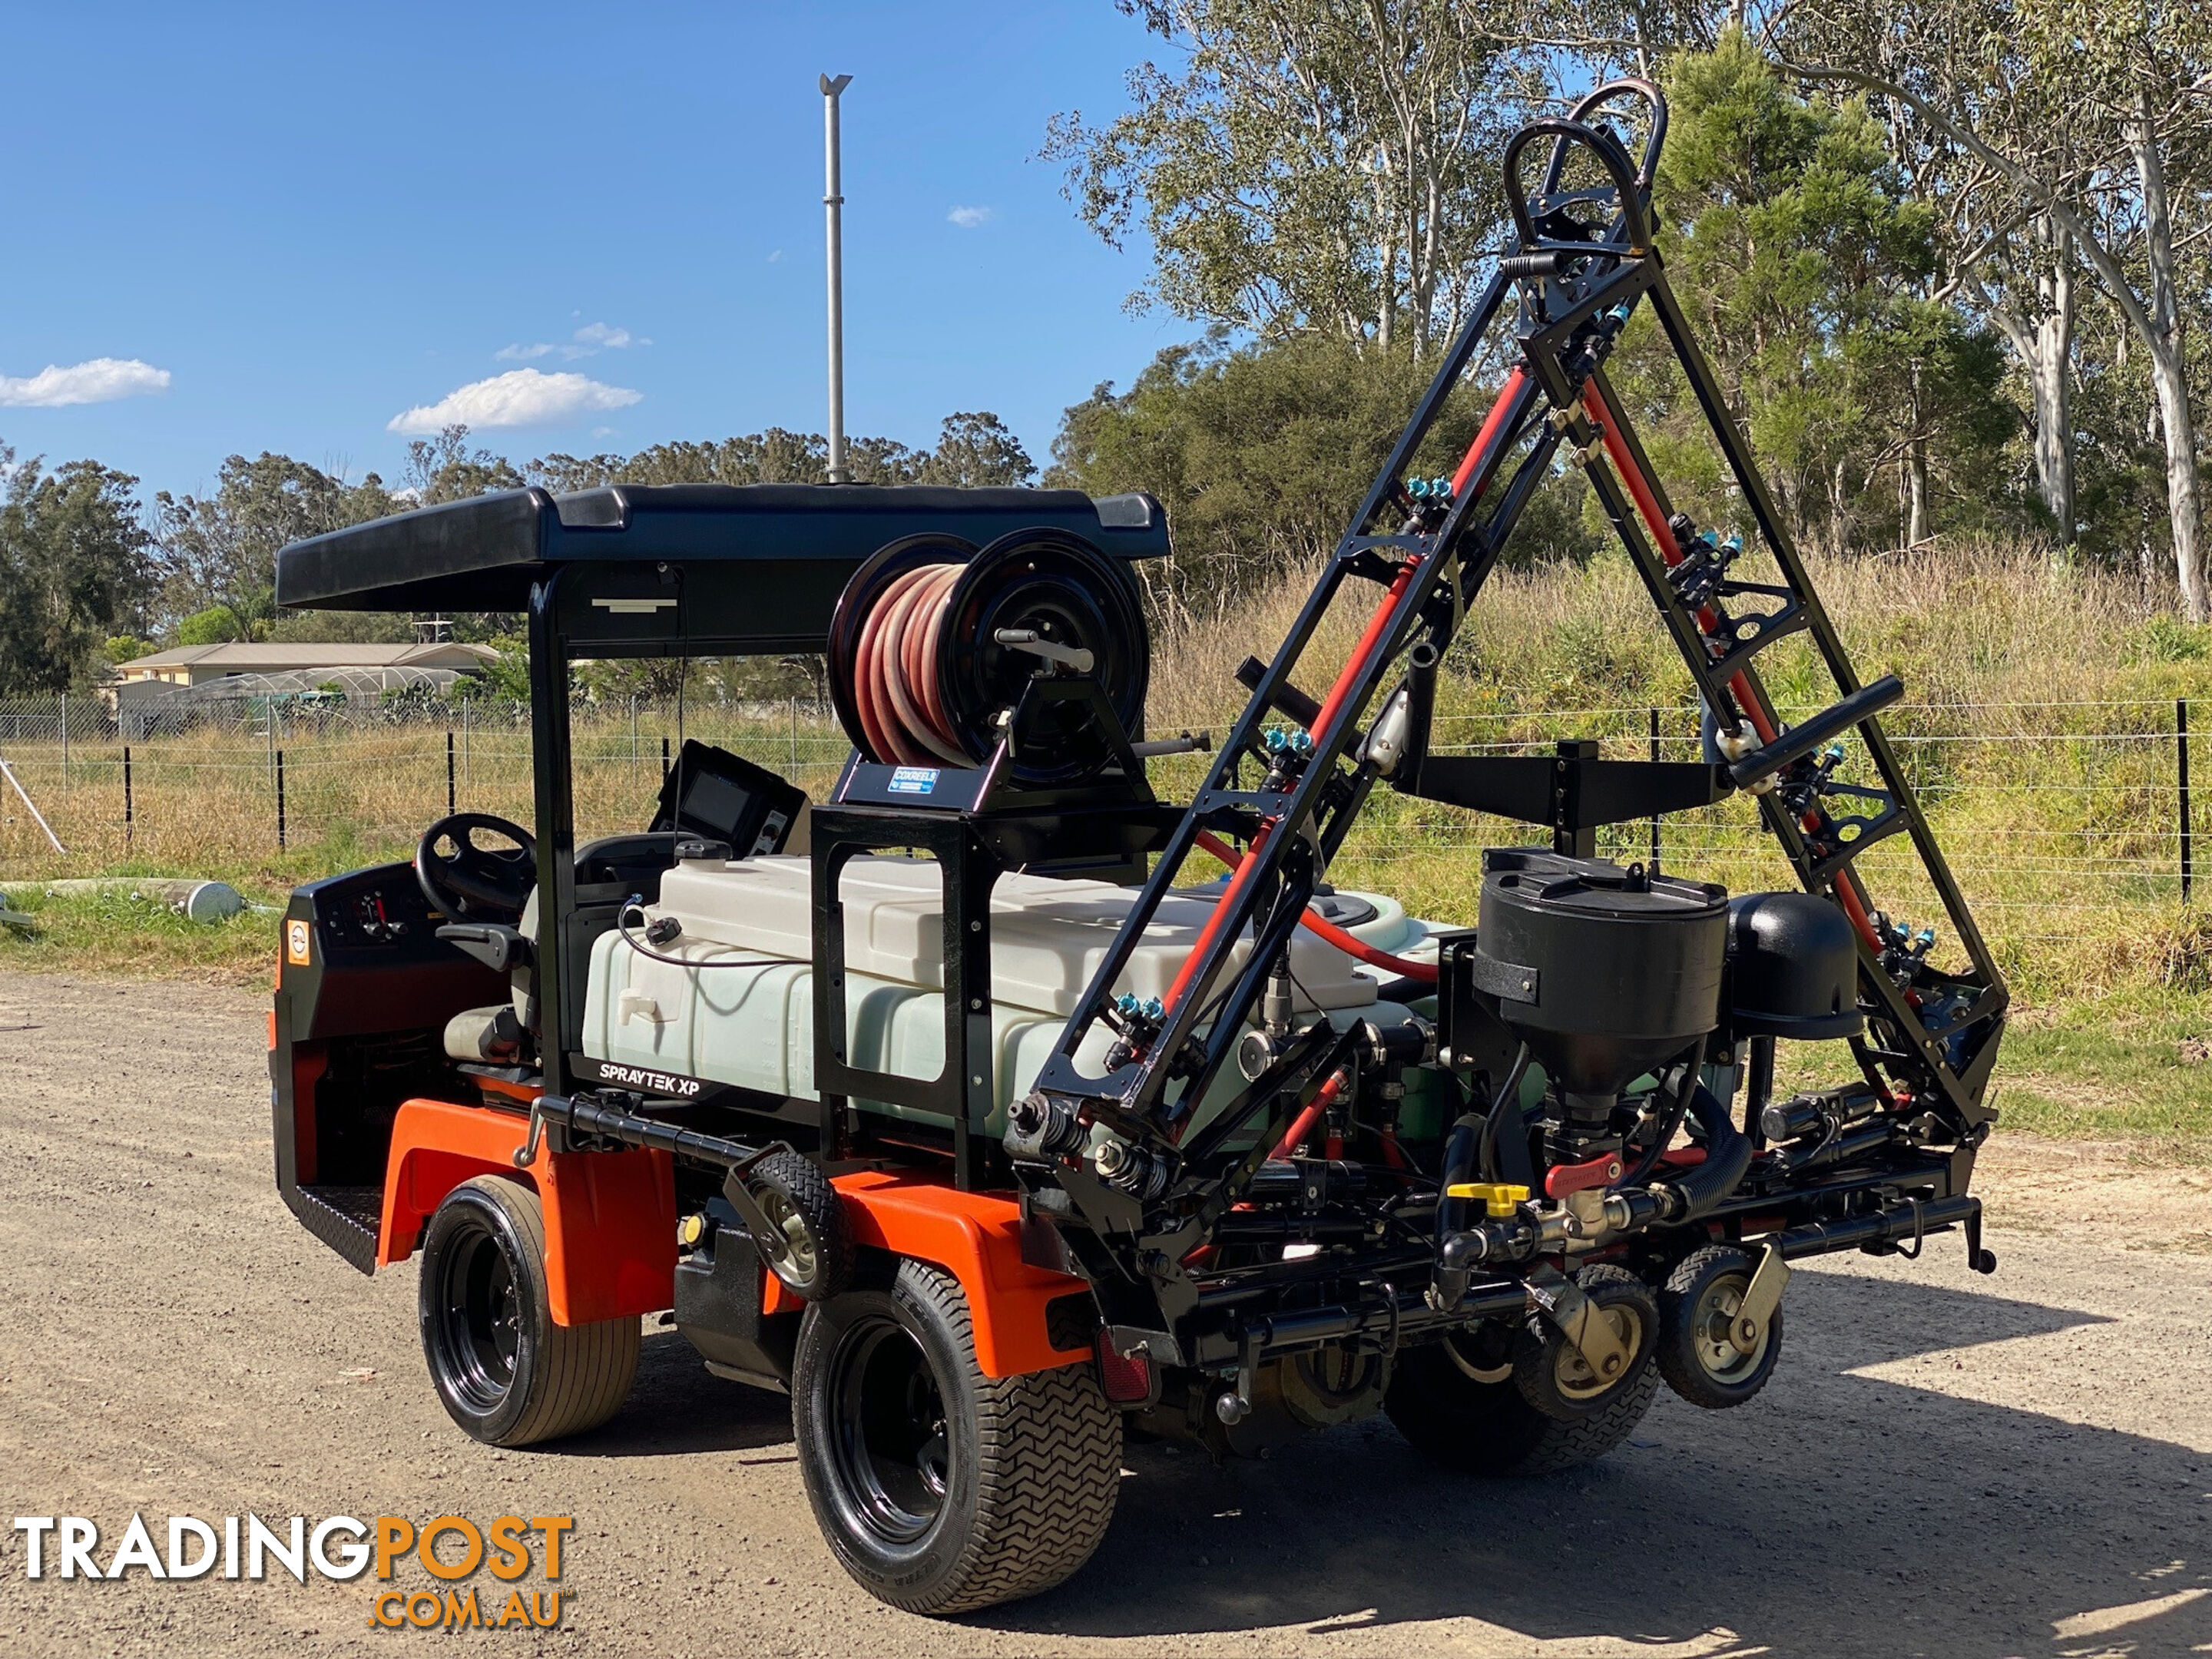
[
  {"x": 775, "y": 258},
  {"x": 587, "y": 341},
  {"x": 969, "y": 217},
  {"x": 101, "y": 381},
  {"x": 521, "y": 397}
]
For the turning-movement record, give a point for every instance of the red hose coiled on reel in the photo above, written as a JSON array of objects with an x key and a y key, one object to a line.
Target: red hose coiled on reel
[
  {"x": 896, "y": 693},
  {"x": 933, "y": 643}
]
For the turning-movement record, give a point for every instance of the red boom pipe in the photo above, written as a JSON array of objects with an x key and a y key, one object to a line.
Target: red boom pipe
[
  {"x": 1237, "y": 878},
  {"x": 1491, "y": 423},
  {"x": 1762, "y": 719},
  {"x": 1329, "y": 930},
  {"x": 1377, "y": 625},
  {"x": 1302, "y": 1124}
]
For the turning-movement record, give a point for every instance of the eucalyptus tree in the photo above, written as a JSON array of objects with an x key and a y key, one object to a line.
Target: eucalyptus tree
[
  {"x": 218, "y": 551},
  {"x": 73, "y": 569},
  {"x": 1306, "y": 165},
  {"x": 2100, "y": 117}
]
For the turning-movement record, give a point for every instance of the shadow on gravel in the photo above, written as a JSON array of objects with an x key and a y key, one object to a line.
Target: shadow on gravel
[
  {"x": 676, "y": 1406},
  {"x": 1836, "y": 1515}
]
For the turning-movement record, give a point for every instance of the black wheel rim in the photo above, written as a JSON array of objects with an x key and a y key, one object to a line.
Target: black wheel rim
[
  {"x": 479, "y": 1319},
  {"x": 891, "y": 1439}
]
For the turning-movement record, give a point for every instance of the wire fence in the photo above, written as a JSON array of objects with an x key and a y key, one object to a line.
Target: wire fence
[{"x": 2065, "y": 823}]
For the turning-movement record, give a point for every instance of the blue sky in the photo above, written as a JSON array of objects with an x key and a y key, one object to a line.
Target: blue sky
[{"x": 310, "y": 220}]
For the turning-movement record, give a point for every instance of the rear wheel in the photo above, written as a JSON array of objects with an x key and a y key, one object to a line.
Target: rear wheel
[
  {"x": 1456, "y": 1402},
  {"x": 939, "y": 1489},
  {"x": 507, "y": 1373}
]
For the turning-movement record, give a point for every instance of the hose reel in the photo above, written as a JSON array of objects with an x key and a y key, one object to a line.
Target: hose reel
[{"x": 933, "y": 643}]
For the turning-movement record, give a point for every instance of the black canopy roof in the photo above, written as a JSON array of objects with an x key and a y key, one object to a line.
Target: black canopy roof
[{"x": 799, "y": 543}]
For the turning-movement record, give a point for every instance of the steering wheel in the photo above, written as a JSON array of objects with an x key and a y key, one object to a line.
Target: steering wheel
[{"x": 479, "y": 884}]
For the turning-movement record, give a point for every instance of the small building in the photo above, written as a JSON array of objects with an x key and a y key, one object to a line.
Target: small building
[
  {"x": 171, "y": 690},
  {"x": 192, "y": 666}
]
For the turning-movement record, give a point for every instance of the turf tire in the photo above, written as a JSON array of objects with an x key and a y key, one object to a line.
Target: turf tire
[
  {"x": 505, "y": 1371},
  {"x": 1700, "y": 1275},
  {"x": 796, "y": 1195},
  {"x": 1027, "y": 1468},
  {"x": 1540, "y": 1354}
]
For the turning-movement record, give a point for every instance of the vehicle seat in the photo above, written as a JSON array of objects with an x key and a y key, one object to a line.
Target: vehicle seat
[
  {"x": 498, "y": 1034},
  {"x": 609, "y": 871}
]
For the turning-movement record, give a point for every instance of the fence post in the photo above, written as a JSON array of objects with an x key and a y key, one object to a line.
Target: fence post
[
  {"x": 2181, "y": 774},
  {"x": 65, "y": 757},
  {"x": 128, "y": 828},
  {"x": 450, "y": 805},
  {"x": 1655, "y": 816},
  {"x": 664, "y": 762},
  {"x": 280, "y": 800},
  {"x": 468, "y": 767},
  {"x": 794, "y": 737}
]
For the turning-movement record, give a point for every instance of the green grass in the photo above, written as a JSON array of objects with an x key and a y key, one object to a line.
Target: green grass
[
  {"x": 116, "y": 935},
  {"x": 2112, "y": 1068}
]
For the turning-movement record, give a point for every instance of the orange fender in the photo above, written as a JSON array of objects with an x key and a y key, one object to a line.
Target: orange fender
[
  {"x": 609, "y": 1217},
  {"x": 977, "y": 1237}
]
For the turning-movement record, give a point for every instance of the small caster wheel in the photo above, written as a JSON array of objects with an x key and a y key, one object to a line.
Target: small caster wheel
[
  {"x": 1707, "y": 1354},
  {"x": 1551, "y": 1372},
  {"x": 810, "y": 1244}
]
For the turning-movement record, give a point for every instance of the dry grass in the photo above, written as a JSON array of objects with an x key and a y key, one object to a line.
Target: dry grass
[{"x": 2038, "y": 730}]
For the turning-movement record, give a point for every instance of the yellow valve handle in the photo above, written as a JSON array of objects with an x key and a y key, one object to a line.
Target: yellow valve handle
[{"x": 1500, "y": 1197}]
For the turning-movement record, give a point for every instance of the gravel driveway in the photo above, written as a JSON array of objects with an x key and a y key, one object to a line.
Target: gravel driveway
[{"x": 1945, "y": 1464}]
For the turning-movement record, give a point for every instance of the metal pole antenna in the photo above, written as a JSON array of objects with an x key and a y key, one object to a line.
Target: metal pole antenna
[{"x": 833, "y": 204}]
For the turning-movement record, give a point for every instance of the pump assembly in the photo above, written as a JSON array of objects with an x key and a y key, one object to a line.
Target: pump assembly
[{"x": 995, "y": 1107}]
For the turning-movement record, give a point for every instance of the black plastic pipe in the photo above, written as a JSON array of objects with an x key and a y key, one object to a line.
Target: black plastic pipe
[
  {"x": 1882, "y": 1227},
  {"x": 1728, "y": 1155},
  {"x": 1799, "y": 741},
  {"x": 635, "y": 1131}
]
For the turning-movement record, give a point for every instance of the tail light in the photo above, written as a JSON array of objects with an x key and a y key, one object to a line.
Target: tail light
[{"x": 1126, "y": 1378}]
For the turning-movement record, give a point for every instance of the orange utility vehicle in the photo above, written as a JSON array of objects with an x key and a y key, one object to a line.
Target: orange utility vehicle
[{"x": 976, "y": 1108}]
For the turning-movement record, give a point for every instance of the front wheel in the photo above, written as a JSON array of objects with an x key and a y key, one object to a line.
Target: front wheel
[
  {"x": 942, "y": 1489},
  {"x": 507, "y": 1373}
]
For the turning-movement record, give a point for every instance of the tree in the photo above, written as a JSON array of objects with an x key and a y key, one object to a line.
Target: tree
[
  {"x": 1308, "y": 166},
  {"x": 2138, "y": 77},
  {"x": 1795, "y": 242},
  {"x": 445, "y": 469},
  {"x": 1261, "y": 453},
  {"x": 973, "y": 450},
  {"x": 73, "y": 570},
  {"x": 216, "y": 625},
  {"x": 220, "y": 550}
]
